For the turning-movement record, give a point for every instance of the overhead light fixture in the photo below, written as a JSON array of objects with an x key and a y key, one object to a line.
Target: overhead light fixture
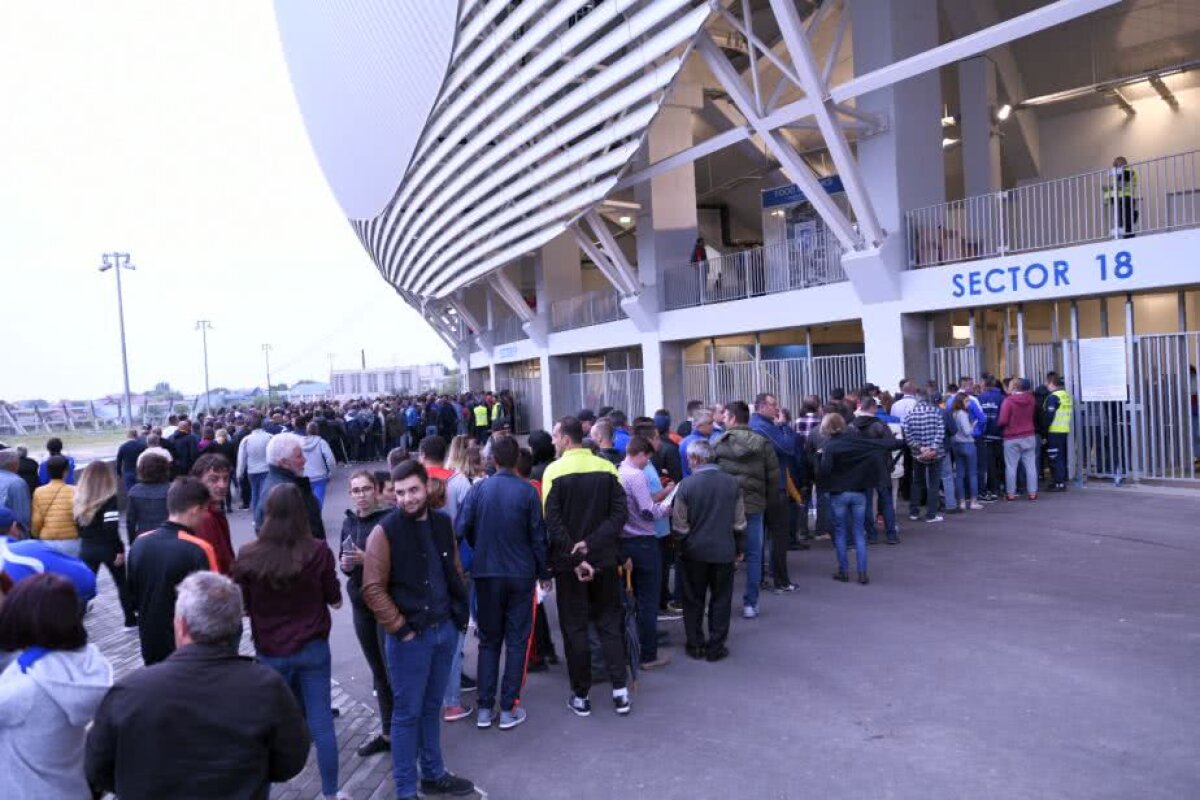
[
  {"x": 947, "y": 142},
  {"x": 1004, "y": 112},
  {"x": 948, "y": 121},
  {"x": 624, "y": 220},
  {"x": 1157, "y": 82},
  {"x": 960, "y": 332},
  {"x": 777, "y": 213}
]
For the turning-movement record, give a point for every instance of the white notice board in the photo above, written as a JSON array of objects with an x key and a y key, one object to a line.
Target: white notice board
[{"x": 1102, "y": 369}]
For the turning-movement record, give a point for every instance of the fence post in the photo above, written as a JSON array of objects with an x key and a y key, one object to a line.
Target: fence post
[{"x": 1001, "y": 212}]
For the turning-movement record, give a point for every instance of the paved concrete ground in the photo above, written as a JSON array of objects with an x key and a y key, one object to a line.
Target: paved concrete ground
[{"x": 1030, "y": 650}]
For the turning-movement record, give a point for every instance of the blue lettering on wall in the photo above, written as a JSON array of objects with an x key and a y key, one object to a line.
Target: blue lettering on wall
[{"x": 1035, "y": 275}]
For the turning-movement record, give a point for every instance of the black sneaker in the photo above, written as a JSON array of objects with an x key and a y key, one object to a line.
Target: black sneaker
[
  {"x": 468, "y": 684},
  {"x": 580, "y": 705},
  {"x": 375, "y": 746},
  {"x": 448, "y": 784},
  {"x": 621, "y": 703},
  {"x": 914, "y": 517}
]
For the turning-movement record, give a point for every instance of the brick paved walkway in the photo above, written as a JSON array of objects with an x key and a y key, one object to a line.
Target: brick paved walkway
[{"x": 361, "y": 778}]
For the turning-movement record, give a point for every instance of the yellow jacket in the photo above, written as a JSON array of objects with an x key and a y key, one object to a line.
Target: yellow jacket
[{"x": 53, "y": 512}]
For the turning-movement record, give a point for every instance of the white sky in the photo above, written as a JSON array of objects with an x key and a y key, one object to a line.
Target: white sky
[{"x": 168, "y": 129}]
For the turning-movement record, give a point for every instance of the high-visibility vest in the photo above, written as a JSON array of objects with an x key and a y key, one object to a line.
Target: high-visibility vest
[
  {"x": 1124, "y": 184},
  {"x": 481, "y": 416},
  {"x": 1062, "y": 415}
]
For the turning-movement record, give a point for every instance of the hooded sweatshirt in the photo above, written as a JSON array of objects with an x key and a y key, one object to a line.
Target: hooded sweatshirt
[
  {"x": 1016, "y": 415},
  {"x": 46, "y": 703},
  {"x": 318, "y": 458}
]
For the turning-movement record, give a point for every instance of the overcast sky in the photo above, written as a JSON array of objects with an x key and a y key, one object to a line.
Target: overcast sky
[{"x": 169, "y": 130}]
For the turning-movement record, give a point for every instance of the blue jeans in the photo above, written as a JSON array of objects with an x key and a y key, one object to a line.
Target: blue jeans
[
  {"x": 754, "y": 551},
  {"x": 318, "y": 490},
  {"x": 966, "y": 469},
  {"x": 647, "y": 582},
  {"x": 948, "y": 482},
  {"x": 887, "y": 507},
  {"x": 308, "y": 672},
  {"x": 453, "y": 694},
  {"x": 256, "y": 484},
  {"x": 850, "y": 507},
  {"x": 419, "y": 669}
]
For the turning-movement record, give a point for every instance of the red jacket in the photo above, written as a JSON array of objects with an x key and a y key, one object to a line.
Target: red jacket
[
  {"x": 1016, "y": 415},
  {"x": 215, "y": 530}
]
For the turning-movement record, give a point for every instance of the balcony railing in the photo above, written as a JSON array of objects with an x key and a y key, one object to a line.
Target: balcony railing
[
  {"x": 508, "y": 330},
  {"x": 781, "y": 267},
  {"x": 589, "y": 308},
  {"x": 1090, "y": 207}
]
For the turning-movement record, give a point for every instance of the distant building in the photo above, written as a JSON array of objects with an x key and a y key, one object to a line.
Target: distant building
[{"x": 388, "y": 380}]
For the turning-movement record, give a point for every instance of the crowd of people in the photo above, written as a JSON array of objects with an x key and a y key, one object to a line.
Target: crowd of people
[{"x": 625, "y": 524}]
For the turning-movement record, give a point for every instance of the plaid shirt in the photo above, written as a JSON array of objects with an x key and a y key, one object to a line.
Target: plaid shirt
[
  {"x": 804, "y": 426},
  {"x": 924, "y": 427}
]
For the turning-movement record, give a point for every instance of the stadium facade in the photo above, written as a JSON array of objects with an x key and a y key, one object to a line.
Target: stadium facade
[{"x": 641, "y": 202}]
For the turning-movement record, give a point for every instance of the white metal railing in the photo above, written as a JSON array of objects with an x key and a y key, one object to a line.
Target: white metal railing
[
  {"x": 789, "y": 379},
  {"x": 589, "y": 308},
  {"x": 509, "y": 329},
  {"x": 1090, "y": 207},
  {"x": 781, "y": 267}
]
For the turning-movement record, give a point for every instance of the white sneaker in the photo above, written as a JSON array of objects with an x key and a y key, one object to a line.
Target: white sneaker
[
  {"x": 749, "y": 612},
  {"x": 975, "y": 506}
]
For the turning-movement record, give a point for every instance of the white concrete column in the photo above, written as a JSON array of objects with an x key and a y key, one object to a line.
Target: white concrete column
[
  {"x": 903, "y": 166},
  {"x": 545, "y": 363},
  {"x": 558, "y": 272},
  {"x": 896, "y": 346},
  {"x": 977, "y": 103},
  {"x": 667, "y": 220},
  {"x": 653, "y": 385}
]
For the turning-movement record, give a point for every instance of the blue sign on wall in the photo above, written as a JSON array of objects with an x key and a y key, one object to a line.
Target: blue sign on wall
[{"x": 791, "y": 194}]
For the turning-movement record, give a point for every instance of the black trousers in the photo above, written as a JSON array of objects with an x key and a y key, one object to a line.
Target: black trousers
[
  {"x": 1056, "y": 449},
  {"x": 712, "y": 582},
  {"x": 599, "y": 602},
  {"x": 777, "y": 523},
  {"x": 244, "y": 491},
  {"x": 94, "y": 554},
  {"x": 370, "y": 639},
  {"x": 504, "y": 610}
]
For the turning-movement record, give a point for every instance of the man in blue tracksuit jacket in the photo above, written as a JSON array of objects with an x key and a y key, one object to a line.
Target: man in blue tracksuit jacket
[
  {"x": 777, "y": 519},
  {"x": 991, "y": 453}
]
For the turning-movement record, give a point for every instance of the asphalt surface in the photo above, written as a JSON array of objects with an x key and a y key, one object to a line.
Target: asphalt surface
[{"x": 1029, "y": 650}]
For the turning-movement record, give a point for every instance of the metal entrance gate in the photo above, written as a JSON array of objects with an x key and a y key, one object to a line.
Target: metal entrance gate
[
  {"x": 952, "y": 363},
  {"x": 622, "y": 389},
  {"x": 525, "y": 381},
  {"x": 1154, "y": 435},
  {"x": 1040, "y": 359},
  {"x": 789, "y": 379}
]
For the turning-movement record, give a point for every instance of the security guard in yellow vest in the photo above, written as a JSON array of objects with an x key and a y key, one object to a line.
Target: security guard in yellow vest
[
  {"x": 1057, "y": 411},
  {"x": 1122, "y": 194},
  {"x": 482, "y": 425}
]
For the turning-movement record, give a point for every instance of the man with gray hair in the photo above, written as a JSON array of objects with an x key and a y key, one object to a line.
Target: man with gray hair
[
  {"x": 710, "y": 517},
  {"x": 205, "y": 723},
  {"x": 702, "y": 431},
  {"x": 285, "y": 464},
  {"x": 14, "y": 492}
]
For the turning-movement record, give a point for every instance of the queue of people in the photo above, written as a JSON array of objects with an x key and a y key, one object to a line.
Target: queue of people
[{"x": 626, "y": 524}]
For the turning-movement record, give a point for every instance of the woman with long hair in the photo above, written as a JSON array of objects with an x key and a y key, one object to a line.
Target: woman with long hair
[
  {"x": 97, "y": 516},
  {"x": 289, "y": 582},
  {"x": 966, "y": 458},
  {"x": 49, "y": 692},
  {"x": 456, "y": 454}
]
